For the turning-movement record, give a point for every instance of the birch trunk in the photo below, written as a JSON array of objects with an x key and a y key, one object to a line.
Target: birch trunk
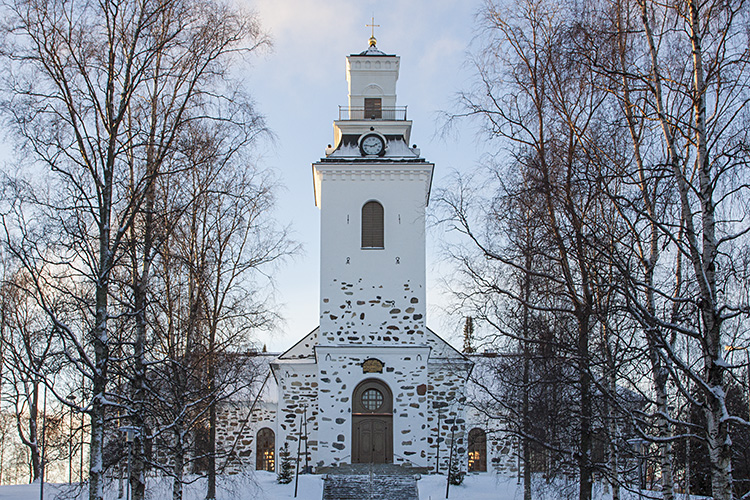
[
  {"x": 719, "y": 443},
  {"x": 179, "y": 462}
]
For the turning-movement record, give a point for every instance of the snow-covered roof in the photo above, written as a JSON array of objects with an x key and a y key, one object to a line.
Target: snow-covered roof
[
  {"x": 303, "y": 348},
  {"x": 395, "y": 148},
  {"x": 440, "y": 348},
  {"x": 373, "y": 50}
]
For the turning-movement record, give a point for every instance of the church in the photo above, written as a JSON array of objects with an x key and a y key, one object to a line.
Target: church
[{"x": 371, "y": 383}]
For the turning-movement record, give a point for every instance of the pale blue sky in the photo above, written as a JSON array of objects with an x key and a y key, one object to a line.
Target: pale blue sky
[{"x": 299, "y": 86}]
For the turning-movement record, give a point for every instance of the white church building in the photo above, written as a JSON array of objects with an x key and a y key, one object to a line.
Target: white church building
[{"x": 372, "y": 383}]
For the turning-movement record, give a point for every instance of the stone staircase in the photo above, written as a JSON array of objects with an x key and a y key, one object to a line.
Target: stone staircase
[{"x": 370, "y": 482}]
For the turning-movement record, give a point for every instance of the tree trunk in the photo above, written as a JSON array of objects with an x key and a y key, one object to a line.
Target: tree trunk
[
  {"x": 179, "y": 462},
  {"x": 99, "y": 383},
  {"x": 141, "y": 275},
  {"x": 719, "y": 443},
  {"x": 526, "y": 374},
  {"x": 211, "y": 490},
  {"x": 33, "y": 440},
  {"x": 584, "y": 380},
  {"x": 717, "y": 427},
  {"x": 614, "y": 433}
]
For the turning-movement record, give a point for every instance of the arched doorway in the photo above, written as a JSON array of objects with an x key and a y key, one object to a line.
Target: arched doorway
[
  {"x": 265, "y": 456},
  {"x": 372, "y": 423},
  {"x": 477, "y": 450}
]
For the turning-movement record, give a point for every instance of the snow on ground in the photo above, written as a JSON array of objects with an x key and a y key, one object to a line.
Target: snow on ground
[
  {"x": 485, "y": 486},
  {"x": 256, "y": 486},
  {"x": 262, "y": 486}
]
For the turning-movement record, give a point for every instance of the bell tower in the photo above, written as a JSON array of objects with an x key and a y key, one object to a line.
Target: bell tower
[
  {"x": 372, "y": 189},
  {"x": 372, "y": 374}
]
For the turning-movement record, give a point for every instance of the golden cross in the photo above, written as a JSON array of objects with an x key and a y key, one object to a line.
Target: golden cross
[{"x": 373, "y": 26}]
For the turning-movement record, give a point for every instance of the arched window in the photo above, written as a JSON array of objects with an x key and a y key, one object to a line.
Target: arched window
[
  {"x": 372, "y": 225},
  {"x": 477, "y": 450},
  {"x": 265, "y": 456}
]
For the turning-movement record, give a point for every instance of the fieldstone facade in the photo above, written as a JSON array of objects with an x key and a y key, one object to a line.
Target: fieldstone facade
[{"x": 372, "y": 383}]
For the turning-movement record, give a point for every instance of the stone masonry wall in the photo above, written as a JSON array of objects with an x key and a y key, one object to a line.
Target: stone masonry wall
[
  {"x": 362, "y": 314},
  {"x": 236, "y": 432},
  {"x": 447, "y": 403},
  {"x": 502, "y": 446},
  {"x": 298, "y": 397},
  {"x": 405, "y": 368}
]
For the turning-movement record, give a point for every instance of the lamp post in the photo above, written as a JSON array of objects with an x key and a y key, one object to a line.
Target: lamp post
[
  {"x": 731, "y": 348},
  {"x": 80, "y": 451},
  {"x": 83, "y": 428},
  {"x": 72, "y": 398},
  {"x": 302, "y": 423},
  {"x": 299, "y": 449},
  {"x": 44, "y": 443},
  {"x": 130, "y": 434},
  {"x": 641, "y": 476},
  {"x": 308, "y": 470}
]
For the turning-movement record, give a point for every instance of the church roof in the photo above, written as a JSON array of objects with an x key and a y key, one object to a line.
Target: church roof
[
  {"x": 372, "y": 50},
  {"x": 396, "y": 150},
  {"x": 303, "y": 348},
  {"x": 254, "y": 379}
]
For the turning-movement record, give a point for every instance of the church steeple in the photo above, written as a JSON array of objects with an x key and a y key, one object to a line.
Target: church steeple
[
  {"x": 371, "y": 74},
  {"x": 372, "y": 108},
  {"x": 372, "y": 190}
]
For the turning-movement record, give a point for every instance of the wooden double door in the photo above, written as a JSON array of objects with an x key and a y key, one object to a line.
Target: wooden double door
[{"x": 372, "y": 423}]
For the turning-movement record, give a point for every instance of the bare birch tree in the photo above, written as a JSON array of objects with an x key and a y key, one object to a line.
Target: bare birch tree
[
  {"x": 213, "y": 284},
  {"x": 534, "y": 93},
  {"x": 654, "y": 118},
  {"x": 98, "y": 93},
  {"x": 29, "y": 344},
  {"x": 681, "y": 81}
]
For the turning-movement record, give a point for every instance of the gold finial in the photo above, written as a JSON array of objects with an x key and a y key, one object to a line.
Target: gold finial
[{"x": 373, "y": 40}]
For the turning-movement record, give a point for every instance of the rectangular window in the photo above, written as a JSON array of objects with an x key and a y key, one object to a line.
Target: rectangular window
[{"x": 373, "y": 108}]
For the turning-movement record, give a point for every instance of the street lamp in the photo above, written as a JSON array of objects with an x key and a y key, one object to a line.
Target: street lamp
[
  {"x": 44, "y": 444},
  {"x": 730, "y": 348},
  {"x": 130, "y": 434},
  {"x": 641, "y": 476}
]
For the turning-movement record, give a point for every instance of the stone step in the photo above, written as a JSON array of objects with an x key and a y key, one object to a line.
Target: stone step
[
  {"x": 379, "y": 469},
  {"x": 370, "y": 487}
]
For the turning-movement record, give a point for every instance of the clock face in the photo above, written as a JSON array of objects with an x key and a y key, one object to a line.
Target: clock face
[{"x": 371, "y": 145}]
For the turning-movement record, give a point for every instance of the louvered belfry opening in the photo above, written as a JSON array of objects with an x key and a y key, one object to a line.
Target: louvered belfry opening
[
  {"x": 372, "y": 225},
  {"x": 373, "y": 108}
]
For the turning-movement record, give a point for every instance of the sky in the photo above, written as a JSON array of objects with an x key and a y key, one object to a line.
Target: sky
[{"x": 298, "y": 86}]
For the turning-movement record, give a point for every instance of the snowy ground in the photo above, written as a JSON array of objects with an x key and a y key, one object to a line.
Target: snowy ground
[{"x": 263, "y": 486}]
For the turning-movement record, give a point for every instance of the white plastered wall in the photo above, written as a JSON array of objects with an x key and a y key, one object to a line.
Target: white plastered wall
[{"x": 372, "y": 295}]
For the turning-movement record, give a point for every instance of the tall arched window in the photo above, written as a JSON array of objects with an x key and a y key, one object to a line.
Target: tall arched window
[
  {"x": 265, "y": 447},
  {"x": 372, "y": 225},
  {"x": 477, "y": 450}
]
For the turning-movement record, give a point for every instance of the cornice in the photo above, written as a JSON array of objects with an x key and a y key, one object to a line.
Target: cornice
[{"x": 380, "y": 171}]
